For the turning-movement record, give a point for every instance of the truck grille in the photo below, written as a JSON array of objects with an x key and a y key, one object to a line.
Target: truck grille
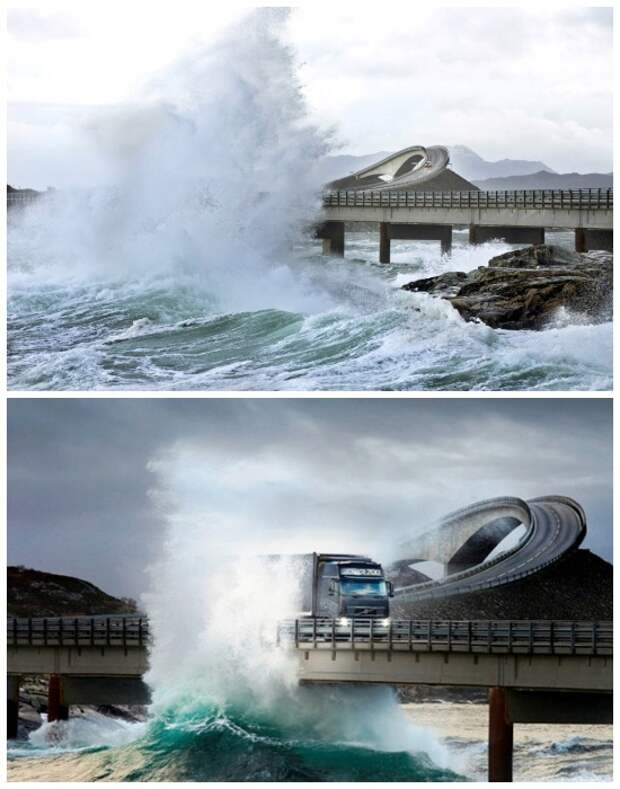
[{"x": 366, "y": 611}]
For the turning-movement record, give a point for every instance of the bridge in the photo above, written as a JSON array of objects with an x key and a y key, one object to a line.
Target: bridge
[
  {"x": 553, "y": 671},
  {"x": 553, "y": 527},
  {"x": 536, "y": 672},
  {"x": 89, "y": 660},
  {"x": 517, "y": 216}
]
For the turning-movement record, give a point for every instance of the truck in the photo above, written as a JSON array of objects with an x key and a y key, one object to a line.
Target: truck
[{"x": 343, "y": 586}]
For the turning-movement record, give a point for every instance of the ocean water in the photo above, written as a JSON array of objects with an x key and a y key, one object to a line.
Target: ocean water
[
  {"x": 216, "y": 747},
  {"x": 190, "y": 265},
  {"x": 307, "y": 322}
]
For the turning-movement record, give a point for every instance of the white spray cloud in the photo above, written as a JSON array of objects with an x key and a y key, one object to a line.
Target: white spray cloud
[
  {"x": 212, "y": 173},
  {"x": 214, "y": 608}
]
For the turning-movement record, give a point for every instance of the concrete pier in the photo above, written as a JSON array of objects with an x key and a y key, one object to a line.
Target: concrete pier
[
  {"x": 398, "y": 231},
  {"x": 478, "y": 234},
  {"x": 586, "y": 240},
  {"x": 384, "y": 242},
  {"x": 12, "y": 706},
  {"x": 599, "y": 239},
  {"x": 57, "y": 710},
  {"x": 500, "y": 737},
  {"x": 332, "y": 234}
]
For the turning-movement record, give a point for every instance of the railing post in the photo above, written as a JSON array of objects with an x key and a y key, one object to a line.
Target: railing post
[
  {"x": 297, "y": 633},
  {"x": 552, "y": 637},
  {"x": 594, "y": 634}
]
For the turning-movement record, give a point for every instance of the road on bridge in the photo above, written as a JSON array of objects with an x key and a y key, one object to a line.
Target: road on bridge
[{"x": 556, "y": 526}]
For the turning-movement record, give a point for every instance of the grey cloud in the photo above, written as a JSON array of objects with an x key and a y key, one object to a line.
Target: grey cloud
[{"x": 359, "y": 472}]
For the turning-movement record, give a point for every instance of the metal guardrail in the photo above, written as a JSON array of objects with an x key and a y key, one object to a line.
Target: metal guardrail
[
  {"x": 82, "y": 631},
  {"x": 552, "y": 637},
  {"x": 13, "y": 198},
  {"x": 591, "y": 199}
]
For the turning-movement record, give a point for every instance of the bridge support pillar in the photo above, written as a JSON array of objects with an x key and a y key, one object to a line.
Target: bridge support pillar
[
  {"x": 580, "y": 240},
  {"x": 56, "y": 709},
  {"x": 500, "y": 737},
  {"x": 389, "y": 231},
  {"x": 332, "y": 234},
  {"x": 12, "y": 706},
  {"x": 585, "y": 240},
  {"x": 384, "y": 242},
  {"x": 478, "y": 234}
]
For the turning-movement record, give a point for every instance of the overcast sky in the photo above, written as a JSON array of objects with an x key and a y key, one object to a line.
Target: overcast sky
[
  {"x": 93, "y": 483},
  {"x": 528, "y": 83}
]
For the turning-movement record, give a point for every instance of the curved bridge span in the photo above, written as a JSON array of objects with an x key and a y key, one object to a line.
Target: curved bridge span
[{"x": 552, "y": 526}]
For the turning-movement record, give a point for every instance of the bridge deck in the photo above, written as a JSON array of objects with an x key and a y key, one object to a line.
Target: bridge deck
[{"x": 544, "y": 208}]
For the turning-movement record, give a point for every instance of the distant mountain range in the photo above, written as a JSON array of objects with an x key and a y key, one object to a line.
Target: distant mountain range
[
  {"x": 546, "y": 180},
  {"x": 503, "y": 174},
  {"x": 467, "y": 163}
]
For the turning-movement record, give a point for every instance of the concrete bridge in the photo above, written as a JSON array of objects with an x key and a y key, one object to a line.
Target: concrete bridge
[
  {"x": 518, "y": 217},
  {"x": 553, "y": 526},
  {"x": 89, "y": 660},
  {"x": 554, "y": 672},
  {"x": 536, "y": 672}
]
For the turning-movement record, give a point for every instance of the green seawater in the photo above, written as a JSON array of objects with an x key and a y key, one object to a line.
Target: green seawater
[{"x": 210, "y": 745}]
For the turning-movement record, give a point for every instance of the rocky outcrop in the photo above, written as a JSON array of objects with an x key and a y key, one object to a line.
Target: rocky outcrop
[
  {"x": 525, "y": 288},
  {"x": 36, "y": 593},
  {"x": 578, "y": 587}
]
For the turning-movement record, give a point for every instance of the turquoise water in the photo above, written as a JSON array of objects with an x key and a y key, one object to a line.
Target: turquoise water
[
  {"x": 218, "y": 747},
  {"x": 211, "y": 744}
]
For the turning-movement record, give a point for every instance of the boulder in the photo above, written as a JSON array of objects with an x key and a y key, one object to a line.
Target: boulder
[{"x": 524, "y": 289}]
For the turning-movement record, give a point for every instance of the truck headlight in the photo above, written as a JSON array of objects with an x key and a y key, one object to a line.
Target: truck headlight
[
  {"x": 385, "y": 622},
  {"x": 343, "y": 621}
]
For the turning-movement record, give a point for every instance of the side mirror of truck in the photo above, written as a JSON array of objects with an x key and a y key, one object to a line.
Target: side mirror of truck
[
  {"x": 390, "y": 589},
  {"x": 332, "y": 589}
]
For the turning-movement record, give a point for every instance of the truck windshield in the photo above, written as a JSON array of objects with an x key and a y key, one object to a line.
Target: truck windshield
[{"x": 363, "y": 587}]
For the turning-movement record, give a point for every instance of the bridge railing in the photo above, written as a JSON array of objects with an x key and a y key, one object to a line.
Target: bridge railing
[
  {"x": 552, "y": 637},
  {"x": 117, "y": 631},
  {"x": 590, "y": 199},
  {"x": 21, "y": 199}
]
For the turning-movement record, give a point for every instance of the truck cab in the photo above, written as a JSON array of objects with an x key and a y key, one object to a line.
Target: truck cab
[{"x": 352, "y": 587}]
